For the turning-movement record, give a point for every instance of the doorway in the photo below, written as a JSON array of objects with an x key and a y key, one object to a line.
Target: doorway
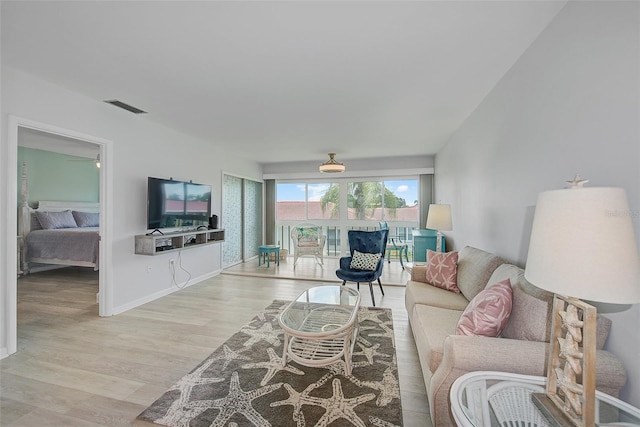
[{"x": 17, "y": 125}]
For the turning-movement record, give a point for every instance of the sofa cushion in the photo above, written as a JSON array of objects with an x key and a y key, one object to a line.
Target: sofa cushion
[
  {"x": 442, "y": 270},
  {"x": 530, "y": 318},
  {"x": 474, "y": 269},
  {"x": 422, "y": 293},
  {"x": 435, "y": 324},
  {"x": 488, "y": 312}
]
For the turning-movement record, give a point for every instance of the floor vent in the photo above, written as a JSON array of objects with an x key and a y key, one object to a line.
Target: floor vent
[{"x": 124, "y": 106}]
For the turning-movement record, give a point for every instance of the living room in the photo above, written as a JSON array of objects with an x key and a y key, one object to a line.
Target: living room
[{"x": 567, "y": 104}]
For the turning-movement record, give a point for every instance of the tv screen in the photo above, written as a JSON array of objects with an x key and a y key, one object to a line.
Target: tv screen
[{"x": 172, "y": 204}]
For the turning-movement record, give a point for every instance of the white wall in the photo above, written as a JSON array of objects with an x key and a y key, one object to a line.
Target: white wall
[
  {"x": 569, "y": 105},
  {"x": 140, "y": 148}
]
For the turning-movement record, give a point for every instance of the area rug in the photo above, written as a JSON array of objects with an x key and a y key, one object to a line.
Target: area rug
[{"x": 243, "y": 382}]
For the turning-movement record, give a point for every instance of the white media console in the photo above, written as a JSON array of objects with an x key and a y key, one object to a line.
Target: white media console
[{"x": 156, "y": 244}]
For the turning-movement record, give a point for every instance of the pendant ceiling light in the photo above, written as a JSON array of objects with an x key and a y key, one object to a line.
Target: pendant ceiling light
[{"x": 331, "y": 166}]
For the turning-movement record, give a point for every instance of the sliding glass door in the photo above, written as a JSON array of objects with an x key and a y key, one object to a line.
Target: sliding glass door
[{"x": 241, "y": 219}]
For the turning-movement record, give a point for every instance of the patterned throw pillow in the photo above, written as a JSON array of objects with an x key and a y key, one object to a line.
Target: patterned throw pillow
[
  {"x": 364, "y": 261},
  {"x": 442, "y": 270},
  {"x": 488, "y": 312},
  {"x": 308, "y": 236}
]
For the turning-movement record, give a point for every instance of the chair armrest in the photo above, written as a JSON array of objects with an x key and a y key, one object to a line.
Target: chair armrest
[
  {"x": 345, "y": 262},
  {"x": 464, "y": 354}
]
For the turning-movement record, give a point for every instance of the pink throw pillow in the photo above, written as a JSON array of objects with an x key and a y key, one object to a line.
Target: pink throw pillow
[
  {"x": 442, "y": 270},
  {"x": 487, "y": 314}
]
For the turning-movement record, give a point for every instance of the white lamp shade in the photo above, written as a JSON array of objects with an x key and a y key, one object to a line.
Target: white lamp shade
[
  {"x": 439, "y": 217},
  {"x": 583, "y": 245}
]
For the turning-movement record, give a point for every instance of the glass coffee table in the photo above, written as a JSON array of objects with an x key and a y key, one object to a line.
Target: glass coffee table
[
  {"x": 487, "y": 398},
  {"x": 321, "y": 326}
]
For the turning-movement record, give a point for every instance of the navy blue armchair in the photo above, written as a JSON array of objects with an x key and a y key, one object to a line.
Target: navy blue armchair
[{"x": 373, "y": 242}]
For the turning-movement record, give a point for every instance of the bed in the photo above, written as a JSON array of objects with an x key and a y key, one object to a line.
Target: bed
[{"x": 60, "y": 233}]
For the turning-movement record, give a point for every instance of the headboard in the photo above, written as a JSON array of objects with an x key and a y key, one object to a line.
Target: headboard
[{"x": 26, "y": 213}]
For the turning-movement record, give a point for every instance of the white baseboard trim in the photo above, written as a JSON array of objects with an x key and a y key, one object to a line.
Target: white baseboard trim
[{"x": 133, "y": 304}]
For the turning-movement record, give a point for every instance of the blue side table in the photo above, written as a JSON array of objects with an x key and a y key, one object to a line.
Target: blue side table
[
  {"x": 424, "y": 239},
  {"x": 265, "y": 250}
]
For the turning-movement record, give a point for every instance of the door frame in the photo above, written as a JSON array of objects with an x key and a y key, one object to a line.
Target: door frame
[{"x": 105, "y": 289}]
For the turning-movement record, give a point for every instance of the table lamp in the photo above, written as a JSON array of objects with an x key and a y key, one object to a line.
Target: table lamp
[
  {"x": 439, "y": 218},
  {"x": 582, "y": 246}
]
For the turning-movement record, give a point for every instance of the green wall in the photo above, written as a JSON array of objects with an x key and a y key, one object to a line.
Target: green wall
[{"x": 53, "y": 176}]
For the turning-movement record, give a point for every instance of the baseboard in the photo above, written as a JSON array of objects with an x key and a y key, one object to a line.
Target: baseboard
[{"x": 163, "y": 293}]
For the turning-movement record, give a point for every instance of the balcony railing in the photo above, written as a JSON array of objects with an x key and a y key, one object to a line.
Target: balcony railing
[{"x": 333, "y": 244}]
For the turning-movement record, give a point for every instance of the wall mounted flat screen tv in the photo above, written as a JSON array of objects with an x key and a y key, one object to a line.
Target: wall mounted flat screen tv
[{"x": 177, "y": 204}]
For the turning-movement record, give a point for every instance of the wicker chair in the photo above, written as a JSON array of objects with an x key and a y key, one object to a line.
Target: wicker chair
[{"x": 308, "y": 239}]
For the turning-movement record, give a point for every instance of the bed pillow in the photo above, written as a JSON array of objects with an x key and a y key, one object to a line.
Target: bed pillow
[
  {"x": 86, "y": 219},
  {"x": 442, "y": 270},
  {"x": 488, "y": 312},
  {"x": 364, "y": 261},
  {"x": 53, "y": 220}
]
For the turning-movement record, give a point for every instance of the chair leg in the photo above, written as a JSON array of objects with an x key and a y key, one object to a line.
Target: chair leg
[
  {"x": 344, "y": 282},
  {"x": 400, "y": 258},
  {"x": 358, "y": 285},
  {"x": 380, "y": 283},
  {"x": 373, "y": 299}
]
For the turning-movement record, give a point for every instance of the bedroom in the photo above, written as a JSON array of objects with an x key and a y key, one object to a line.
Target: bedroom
[{"x": 54, "y": 168}]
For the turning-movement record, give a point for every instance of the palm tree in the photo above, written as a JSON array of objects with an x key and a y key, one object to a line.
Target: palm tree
[{"x": 363, "y": 197}]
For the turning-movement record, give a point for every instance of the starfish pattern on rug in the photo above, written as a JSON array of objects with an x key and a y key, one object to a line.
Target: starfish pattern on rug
[
  {"x": 179, "y": 413},
  {"x": 381, "y": 423},
  {"x": 369, "y": 352},
  {"x": 239, "y": 402},
  {"x": 371, "y": 387},
  {"x": 338, "y": 406},
  {"x": 263, "y": 333},
  {"x": 389, "y": 387},
  {"x": 388, "y": 332},
  {"x": 296, "y": 400},
  {"x": 273, "y": 366},
  {"x": 229, "y": 356},
  {"x": 372, "y": 315}
]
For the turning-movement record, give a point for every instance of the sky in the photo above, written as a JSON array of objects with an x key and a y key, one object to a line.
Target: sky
[{"x": 407, "y": 189}]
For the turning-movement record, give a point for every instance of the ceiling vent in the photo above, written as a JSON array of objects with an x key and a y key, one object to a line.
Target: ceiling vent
[{"x": 124, "y": 106}]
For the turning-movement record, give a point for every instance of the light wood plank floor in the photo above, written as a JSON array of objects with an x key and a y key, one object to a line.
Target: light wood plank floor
[
  {"x": 74, "y": 368},
  {"x": 308, "y": 269}
]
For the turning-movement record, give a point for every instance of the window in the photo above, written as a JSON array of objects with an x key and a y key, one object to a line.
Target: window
[
  {"x": 401, "y": 200},
  {"x": 387, "y": 200},
  {"x": 307, "y": 201}
]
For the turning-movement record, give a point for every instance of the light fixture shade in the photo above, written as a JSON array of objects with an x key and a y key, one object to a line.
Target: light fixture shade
[
  {"x": 583, "y": 245},
  {"x": 439, "y": 217},
  {"x": 331, "y": 165}
]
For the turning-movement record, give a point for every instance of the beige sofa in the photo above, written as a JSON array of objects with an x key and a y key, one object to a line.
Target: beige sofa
[{"x": 444, "y": 356}]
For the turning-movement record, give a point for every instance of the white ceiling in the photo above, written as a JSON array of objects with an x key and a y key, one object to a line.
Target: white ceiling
[{"x": 282, "y": 81}]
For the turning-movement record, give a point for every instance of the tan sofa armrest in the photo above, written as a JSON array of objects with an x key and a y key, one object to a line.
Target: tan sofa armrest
[
  {"x": 419, "y": 273},
  {"x": 464, "y": 354}
]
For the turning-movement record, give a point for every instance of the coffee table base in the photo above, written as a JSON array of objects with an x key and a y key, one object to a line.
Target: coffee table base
[{"x": 313, "y": 350}]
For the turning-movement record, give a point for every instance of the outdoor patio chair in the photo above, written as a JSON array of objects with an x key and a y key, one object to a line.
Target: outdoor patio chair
[{"x": 308, "y": 239}]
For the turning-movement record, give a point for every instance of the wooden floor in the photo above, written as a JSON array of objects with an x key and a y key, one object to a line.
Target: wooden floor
[
  {"x": 308, "y": 269},
  {"x": 74, "y": 368}
]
